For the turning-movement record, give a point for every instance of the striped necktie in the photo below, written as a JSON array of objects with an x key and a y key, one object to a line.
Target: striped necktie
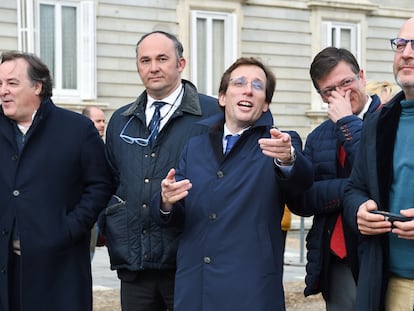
[{"x": 154, "y": 124}]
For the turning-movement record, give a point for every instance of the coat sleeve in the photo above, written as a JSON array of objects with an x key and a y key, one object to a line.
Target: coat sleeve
[
  {"x": 177, "y": 215},
  {"x": 301, "y": 175},
  {"x": 356, "y": 191},
  {"x": 97, "y": 181},
  {"x": 326, "y": 194}
]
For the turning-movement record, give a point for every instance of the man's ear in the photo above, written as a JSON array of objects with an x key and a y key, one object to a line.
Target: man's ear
[
  {"x": 38, "y": 88},
  {"x": 265, "y": 107},
  {"x": 222, "y": 100}
]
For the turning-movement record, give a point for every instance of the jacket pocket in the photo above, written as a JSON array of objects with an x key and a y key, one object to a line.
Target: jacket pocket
[{"x": 116, "y": 230}]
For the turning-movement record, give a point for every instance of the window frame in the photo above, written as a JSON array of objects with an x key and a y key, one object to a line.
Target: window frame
[
  {"x": 230, "y": 45},
  {"x": 355, "y": 33},
  {"x": 29, "y": 41}
]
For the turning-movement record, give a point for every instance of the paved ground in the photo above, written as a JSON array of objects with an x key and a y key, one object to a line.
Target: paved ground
[{"x": 106, "y": 283}]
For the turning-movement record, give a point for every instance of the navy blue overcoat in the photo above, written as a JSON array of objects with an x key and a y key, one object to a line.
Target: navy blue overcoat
[
  {"x": 55, "y": 189},
  {"x": 229, "y": 255}
]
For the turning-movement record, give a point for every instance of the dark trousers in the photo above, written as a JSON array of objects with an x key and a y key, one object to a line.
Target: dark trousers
[
  {"x": 342, "y": 287},
  {"x": 14, "y": 282},
  {"x": 148, "y": 290}
]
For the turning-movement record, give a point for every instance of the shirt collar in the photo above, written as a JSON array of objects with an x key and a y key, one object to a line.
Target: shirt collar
[
  {"x": 366, "y": 107},
  {"x": 171, "y": 99}
]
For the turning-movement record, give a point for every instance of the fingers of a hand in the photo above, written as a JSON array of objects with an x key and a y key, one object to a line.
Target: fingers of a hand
[
  {"x": 275, "y": 133},
  {"x": 172, "y": 192},
  {"x": 275, "y": 148},
  {"x": 404, "y": 229},
  {"x": 171, "y": 174},
  {"x": 370, "y": 224},
  {"x": 407, "y": 212}
]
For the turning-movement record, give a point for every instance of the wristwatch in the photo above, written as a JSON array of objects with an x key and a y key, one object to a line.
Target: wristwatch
[{"x": 291, "y": 160}]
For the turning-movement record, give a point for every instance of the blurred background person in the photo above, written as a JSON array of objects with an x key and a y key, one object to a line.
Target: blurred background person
[
  {"x": 384, "y": 89},
  {"x": 97, "y": 115}
]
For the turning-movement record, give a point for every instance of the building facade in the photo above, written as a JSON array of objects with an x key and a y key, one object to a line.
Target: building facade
[{"x": 89, "y": 45}]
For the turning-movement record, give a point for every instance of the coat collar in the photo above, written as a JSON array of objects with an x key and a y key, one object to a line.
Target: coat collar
[
  {"x": 216, "y": 122},
  {"x": 189, "y": 104}
]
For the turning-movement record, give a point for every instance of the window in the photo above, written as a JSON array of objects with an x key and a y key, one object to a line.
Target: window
[
  {"x": 213, "y": 48},
  {"x": 342, "y": 35},
  {"x": 58, "y": 44},
  {"x": 62, "y": 34}
]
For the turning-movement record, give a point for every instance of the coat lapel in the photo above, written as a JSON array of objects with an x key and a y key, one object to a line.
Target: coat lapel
[{"x": 386, "y": 132}]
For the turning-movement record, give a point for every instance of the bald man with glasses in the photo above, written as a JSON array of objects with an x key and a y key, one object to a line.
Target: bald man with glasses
[{"x": 383, "y": 179}]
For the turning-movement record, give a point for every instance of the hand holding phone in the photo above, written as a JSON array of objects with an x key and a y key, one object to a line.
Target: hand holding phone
[{"x": 391, "y": 216}]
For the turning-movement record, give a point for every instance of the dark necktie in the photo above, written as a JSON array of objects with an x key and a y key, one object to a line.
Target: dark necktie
[
  {"x": 154, "y": 124},
  {"x": 231, "y": 140},
  {"x": 337, "y": 244}
]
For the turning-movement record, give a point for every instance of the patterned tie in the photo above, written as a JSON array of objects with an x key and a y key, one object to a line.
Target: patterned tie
[
  {"x": 231, "y": 140},
  {"x": 154, "y": 124},
  {"x": 337, "y": 244}
]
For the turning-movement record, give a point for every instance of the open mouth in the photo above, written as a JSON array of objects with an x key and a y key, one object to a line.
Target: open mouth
[{"x": 245, "y": 104}]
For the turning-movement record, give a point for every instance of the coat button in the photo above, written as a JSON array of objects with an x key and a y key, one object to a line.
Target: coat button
[
  {"x": 207, "y": 260},
  {"x": 220, "y": 174},
  {"x": 14, "y": 157},
  {"x": 146, "y": 180},
  {"x": 144, "y": 205},
  {"x": 212, "y": 216},
  {"x": 16, "y": 193},
  {"x": 4, "y": 232}
]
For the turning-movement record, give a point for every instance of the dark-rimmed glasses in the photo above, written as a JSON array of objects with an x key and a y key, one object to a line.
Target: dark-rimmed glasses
[
  {"x": 137, "y": 140},
  {"x": 240, "y": 82},
  {"x": 399, "y": 44},
  {"x": 326, "y": 92}
]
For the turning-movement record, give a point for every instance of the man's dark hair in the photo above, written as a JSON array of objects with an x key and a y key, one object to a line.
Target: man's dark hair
[
  {"x": 270, "y": 77},
  {"x": 327, "y": 59},
  {"x": 178, "y": 46},
  {"x": 37, "y": 71}
]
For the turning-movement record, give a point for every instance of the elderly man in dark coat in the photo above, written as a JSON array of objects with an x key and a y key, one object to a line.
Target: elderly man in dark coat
[{"x": 54, "y": 181}]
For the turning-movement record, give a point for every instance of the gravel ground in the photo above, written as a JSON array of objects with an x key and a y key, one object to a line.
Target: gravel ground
[{"x": 108, "y": 300}]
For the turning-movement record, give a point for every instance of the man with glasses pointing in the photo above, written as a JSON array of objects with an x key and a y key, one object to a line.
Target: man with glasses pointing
[
  {"x": 227, "y": 196},
  {"x": 383, "y": 179},
  {"x": 143, "y": 140},
  {"x": 332, "y": 265}
]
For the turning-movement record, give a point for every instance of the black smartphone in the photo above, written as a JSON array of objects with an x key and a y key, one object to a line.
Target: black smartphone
[{"x": 391, "y": 216}]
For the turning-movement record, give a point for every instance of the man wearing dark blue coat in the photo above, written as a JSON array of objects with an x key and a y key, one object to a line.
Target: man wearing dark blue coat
[
  {"x": 332, "y": 263},
  {"x": 228, "y": 202},
  {"x": 54, "y": 181}
]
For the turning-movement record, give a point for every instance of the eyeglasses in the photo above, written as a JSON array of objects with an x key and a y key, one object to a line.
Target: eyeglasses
[
  {"x": 130, "y": 140},
  {"x": 345, "y": 83},
  {"x": 242, "y": 82},
  {"x": 399, "y": 44}
]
